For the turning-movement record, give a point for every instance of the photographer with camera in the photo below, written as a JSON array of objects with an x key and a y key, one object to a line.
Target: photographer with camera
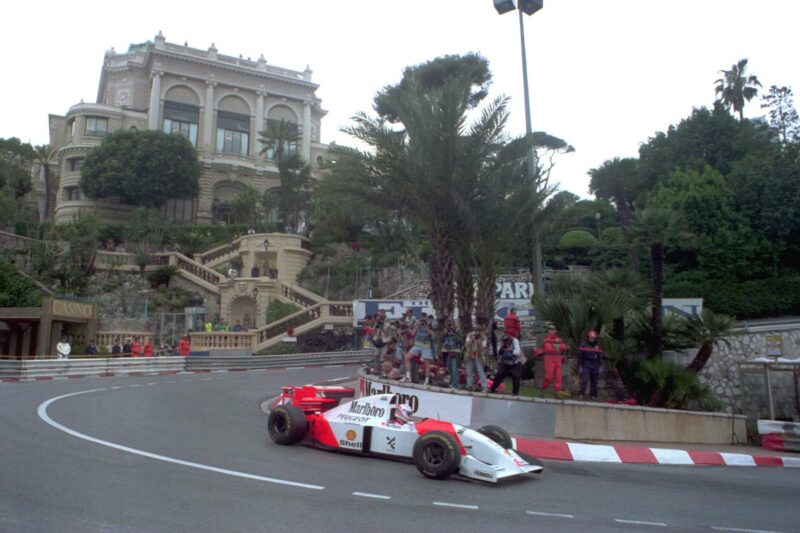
[
  {"x": 422, "y": 350},
  {"x": 475, "y": 349},
  {"x": 509, "y": 363}
]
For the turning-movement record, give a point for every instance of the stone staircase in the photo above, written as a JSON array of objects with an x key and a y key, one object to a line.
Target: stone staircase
[{"x": 315, "y": 311}]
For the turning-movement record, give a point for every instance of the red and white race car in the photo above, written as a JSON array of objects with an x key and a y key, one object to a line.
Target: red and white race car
[{"x": 329, "y": 418}]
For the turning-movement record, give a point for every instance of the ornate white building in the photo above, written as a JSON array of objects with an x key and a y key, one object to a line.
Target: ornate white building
[{"x": 218, "y": 102}]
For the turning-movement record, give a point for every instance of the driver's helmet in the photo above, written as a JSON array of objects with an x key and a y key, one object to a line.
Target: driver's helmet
[{"x": 402, "y": 413}]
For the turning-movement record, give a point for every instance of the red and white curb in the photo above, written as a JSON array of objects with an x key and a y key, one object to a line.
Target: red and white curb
[{"x": 601, "y": 453}]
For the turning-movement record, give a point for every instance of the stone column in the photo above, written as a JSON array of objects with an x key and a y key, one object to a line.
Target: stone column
[
  {"x": 259, "y": 122},
  {"x": 154, "y": 111},
  {"x": 208, "y": 118},
  {"x": 306, "y": 130}
]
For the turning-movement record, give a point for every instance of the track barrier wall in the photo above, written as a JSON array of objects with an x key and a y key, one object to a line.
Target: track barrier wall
[{"x": 564, "y": 419}]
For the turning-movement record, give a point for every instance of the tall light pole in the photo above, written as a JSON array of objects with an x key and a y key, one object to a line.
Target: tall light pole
[{"x": 528, "y": 7}]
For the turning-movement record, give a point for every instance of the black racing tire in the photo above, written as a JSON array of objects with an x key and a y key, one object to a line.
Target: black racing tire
[
  {"x": 287, "y": 424},
  {"x": 436, "y": 455},
  {"x": 497, "y": 434}
]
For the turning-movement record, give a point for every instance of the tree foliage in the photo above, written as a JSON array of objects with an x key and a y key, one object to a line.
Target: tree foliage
[
  {"x": 143, "y": 168},
  {"x": 735, "y": 87},
  {"x": 17, "y": 290},
  {"x": 15, "y": 167}
]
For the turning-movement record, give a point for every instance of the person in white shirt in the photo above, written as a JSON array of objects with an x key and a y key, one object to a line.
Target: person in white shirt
[{"x": 63, "y": 348}]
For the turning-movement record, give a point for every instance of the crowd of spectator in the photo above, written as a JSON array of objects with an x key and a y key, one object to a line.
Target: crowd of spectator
[
  {"x": 426, "y": 350},
  {"x": 429, "y": 351}
]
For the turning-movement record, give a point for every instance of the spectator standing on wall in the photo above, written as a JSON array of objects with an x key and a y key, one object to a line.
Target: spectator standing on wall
[
  {"x": 509, "y": 363},
  {"x": 184, "y": 347},
  {"x": 116, "y": 349},
  {"x": 91, "y": 348},
  {"x": 452, "y": 345},
  {"x": 475, "y": 349},
  {"x": 136, "y": 348},
  {"x": 493, "y": 338},
  {"x": 554, "y": 351},
  {"x": 590, "y": 358},
  {"x": 422, "y": 350},
  {"x": 63, "y": 348},
  {"x": 511, "y": 323},
  {"x": 147, "y": 351}
]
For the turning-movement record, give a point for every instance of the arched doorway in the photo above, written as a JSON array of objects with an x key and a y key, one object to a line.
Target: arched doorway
[
  {"x": 225, "y": 192},
  {"x": 243, "y": 309}
]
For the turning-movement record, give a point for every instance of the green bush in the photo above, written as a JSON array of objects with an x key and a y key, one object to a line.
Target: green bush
[
  {"x": 161, "y": 276},
  {"x": 659, "y": 383},
  {"x": 756, "y": 298},
  {"x": 278, "y": 310},
  {"x": 16, "y": 290}
]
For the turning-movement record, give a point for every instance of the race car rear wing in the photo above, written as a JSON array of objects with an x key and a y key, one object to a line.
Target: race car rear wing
[{"x": 315, "y": 398}]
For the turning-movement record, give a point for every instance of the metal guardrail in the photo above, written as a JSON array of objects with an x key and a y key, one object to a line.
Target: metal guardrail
[
  {"x": 55, "y": 368},
  {"x": 278, "y": 361}
]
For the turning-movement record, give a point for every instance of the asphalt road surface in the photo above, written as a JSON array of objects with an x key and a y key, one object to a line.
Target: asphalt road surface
[{"x": 190, "y": 453}]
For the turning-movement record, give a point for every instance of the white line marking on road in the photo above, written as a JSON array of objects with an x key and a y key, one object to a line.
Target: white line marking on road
[
  {"x": 205, "y": 379},
  {"x": 117, "y": 387},
  {"x": 42, "y": 412},
  {"x": 640, "y": 522},
  {"x": 153, "y": 383},
  {"x": 60, "y": 378},
  {"x": 217, "y": 371},
  {"x": 135, "y": 385},
  {"x": 742, "y": 530},
  {"x": 337, "y": 380},
  {"x": 187, "y": 381},
  {"x": 170, "y": 382},
  {"x": 332, "y": 366},
  {"x": 556, "y": 515},
  {"x": 457, "y": 505},
  {"x": 295, "y": 367},
  {"x": 370, "y": 495}
]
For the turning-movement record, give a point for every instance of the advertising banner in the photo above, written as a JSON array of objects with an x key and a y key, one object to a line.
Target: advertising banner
[
  {"x": 451, "y": 407},
  {"x": 516, "y": 295},
  {"x": 682, "y": 306},
  {"x": 394, "y": 308}
]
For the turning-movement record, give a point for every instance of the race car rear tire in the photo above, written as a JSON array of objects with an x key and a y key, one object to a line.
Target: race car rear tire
[
  {"x": 287, "y": 424},
  {"x": 497, "y": 434},
  {"x": 436, "y": 455}
]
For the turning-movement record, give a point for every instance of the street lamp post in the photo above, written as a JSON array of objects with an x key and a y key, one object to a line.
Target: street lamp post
[
  {"x": 266, "y": 257},
  {"x": 528, "y": 7}
]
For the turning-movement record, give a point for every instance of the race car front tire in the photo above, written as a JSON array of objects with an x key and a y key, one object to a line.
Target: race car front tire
[
  {"x": 287, "y": 424},
  {"x": 497, "y": 434},
  {"x": 436, "y": 455}
]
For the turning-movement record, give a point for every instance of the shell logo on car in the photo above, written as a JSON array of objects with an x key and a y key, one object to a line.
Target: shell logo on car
[{"x": 351, "y": 435}]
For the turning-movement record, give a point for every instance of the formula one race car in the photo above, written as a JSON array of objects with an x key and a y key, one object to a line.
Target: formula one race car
[{"x": 328, "y": 417}]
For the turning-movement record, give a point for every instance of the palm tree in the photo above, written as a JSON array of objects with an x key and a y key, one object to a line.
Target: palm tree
[
  {"x": 618, "y": 181},
  {"x": 280, "y": 139},
  {"x": 617, "y": 292},
  {"x": 44, "y": 154},
  {"x": 735, "y": 87},
  {"x": 657, "y": 228},
  {"x": 424, "y": 163},
  {"x": 706, "y": 329}
]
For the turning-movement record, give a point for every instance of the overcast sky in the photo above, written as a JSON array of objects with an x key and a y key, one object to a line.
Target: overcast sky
[{"x": 604, "y": 75}]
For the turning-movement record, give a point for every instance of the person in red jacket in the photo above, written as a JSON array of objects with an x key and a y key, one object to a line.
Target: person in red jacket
[
  {"x": 554, "y": 351},
  {"x": 148, "y": 348},
  {"x": 184, "y": 347},
  {"x": 136, "y": 348},
  {"x": 511, "y": 324}
]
